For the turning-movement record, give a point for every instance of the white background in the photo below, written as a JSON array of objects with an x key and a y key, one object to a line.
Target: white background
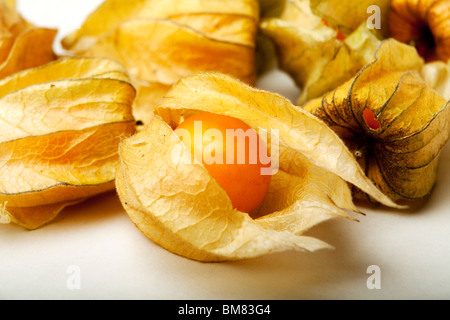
[{"x": 116, "y": 261}]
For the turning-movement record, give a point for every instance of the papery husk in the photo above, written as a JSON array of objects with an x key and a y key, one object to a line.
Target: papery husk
[
  {"x": 60, "y": 127},
  {"x": 22, "y": 44},
  {"x": 11, "y": 3},
  {"x": 424, "y": 24},
  {"x": 309, "y": 51},
  {"x": 437, "y": 76},
  {"x": 402, "y": 156},
  {"x": 305, "y": 33},
  {"x": 350, "y": 14},
  {"x": 160, "y": 42},
  {"x": 179, "y": 206},
  {"x": 115, "y": 12}
]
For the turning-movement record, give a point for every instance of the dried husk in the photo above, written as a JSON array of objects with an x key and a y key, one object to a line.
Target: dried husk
[
  {"x": 309, "y": 51},
  {"x": 60, "y": 126},
  {"x": 22, "y": 45},
  {"x": 424, "y": 24},
  {"x": 437, "y": 76},
  {"x": 179, "y": 206},
  {"x": 402, "y": 155},
  {"x": 160, "y": 42},
  {"x": 350, "y": 14},
  {"x": 10, "y": 3}
]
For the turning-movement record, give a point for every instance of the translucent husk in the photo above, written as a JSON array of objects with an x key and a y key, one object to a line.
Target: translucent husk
[
  {"x": 160, "y": 42},
  {"x": 309, "y": 51},
  {"x": 177, "y": 204},
  {"x": 402, "y": 155},
  {"x": 308, "y": 37},
  {"x": 60, "y": 126},
  {"x": 22, "y": 44}
]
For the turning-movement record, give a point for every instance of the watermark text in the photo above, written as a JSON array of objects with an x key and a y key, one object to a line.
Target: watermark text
[
  {"x": 74, "y": 279},
  {"x": 374, "y": 21},
  {"x": 374, "y": 281},
  {"x": 238, "y": 146}
]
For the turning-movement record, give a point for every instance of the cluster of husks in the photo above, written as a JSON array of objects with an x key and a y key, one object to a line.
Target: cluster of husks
[
  {"x": 372, "y": 116},
  {"x": 160, "y": 42},
  {"x": 61, "y": 121},
  {"x": 387, "y": 121}
]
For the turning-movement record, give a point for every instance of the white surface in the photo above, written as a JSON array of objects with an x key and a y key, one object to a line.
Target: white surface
[{"x": 116, "y": 261}]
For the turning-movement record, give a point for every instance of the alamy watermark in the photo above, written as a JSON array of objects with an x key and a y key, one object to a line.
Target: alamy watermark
[
  {"x": 374, "y": 280},
  {"x": 238, "y": 146},
  {"x": 73, "y": 281},
  {"x": 374, "y": 21}
]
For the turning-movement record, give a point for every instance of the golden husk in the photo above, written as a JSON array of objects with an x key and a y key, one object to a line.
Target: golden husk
[
  {"x": 402, "y": 155},
  {"x": 182, "y": 208},
  {"x": 160, "y": 42},
  {"x": 22, "y": 44},
  {"x": 60, "y": 126}
]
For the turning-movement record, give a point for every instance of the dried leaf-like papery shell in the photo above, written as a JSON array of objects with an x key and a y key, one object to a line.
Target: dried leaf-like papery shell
[
  {"x": 22, "y": 45},
  {"x": 350, "y": 14},
  {"x": 160, "y": 42},
  {"x": 310, "y": 50},
  {"x": 180, "y": 206},
  {"x": 437, "y": 76},
  {"x": 395, "y": 124},
  {"x": 424, "y": 24},
  {"x": 60, "y": 126}
]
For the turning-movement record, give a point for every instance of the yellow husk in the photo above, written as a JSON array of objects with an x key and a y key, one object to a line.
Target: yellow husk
[
  {"x": 160, "y": 42},
  {"x": 60, "y": 126},
  {"x": 402, "y": 156},
  {"x": 22, "y": 45},
  {"x": 179, "y": 206},
  {"x": 309, "y": 51},
  {"x": 304, "y": 33}
]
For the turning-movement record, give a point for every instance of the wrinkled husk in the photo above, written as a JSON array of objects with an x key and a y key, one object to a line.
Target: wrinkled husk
[
  {"x": 22, "y": 45},
  {"x": 402, "y": 155},
  {"x": 350, "y": 14},
  {"x": 424, "y": 24},
  {"x": 179, "y": 206},
  {"x": 60, "y": 126},
  {"x": 437, "y": 76},
  {"x": 309, "y": 51},
  {"x": 160, "y": 42}
]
